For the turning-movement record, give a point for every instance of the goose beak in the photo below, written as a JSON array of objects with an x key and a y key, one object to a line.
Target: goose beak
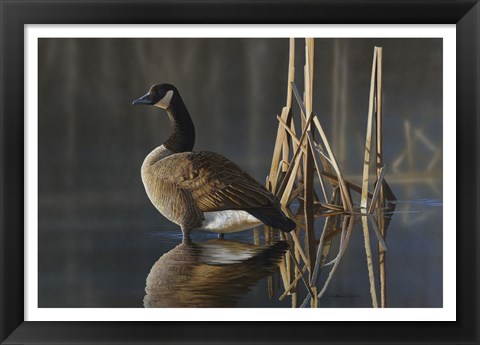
[{"x": 144, "y": 100}]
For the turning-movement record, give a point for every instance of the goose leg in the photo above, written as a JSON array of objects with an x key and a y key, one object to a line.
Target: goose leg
[
  {"x": 186, "y": 234},
  {"x": 187, "y": 240}
]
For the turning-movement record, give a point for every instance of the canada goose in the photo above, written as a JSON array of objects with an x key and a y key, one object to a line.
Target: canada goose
[
  {"x": 202, "y": 190},
  {"x": 215, "y": 273}
]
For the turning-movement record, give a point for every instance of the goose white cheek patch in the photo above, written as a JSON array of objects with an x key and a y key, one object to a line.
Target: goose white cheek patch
[{"x": 165, "y": 101}]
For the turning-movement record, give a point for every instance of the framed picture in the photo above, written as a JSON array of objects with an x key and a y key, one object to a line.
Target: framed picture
[{"x": 373, "y": 106}]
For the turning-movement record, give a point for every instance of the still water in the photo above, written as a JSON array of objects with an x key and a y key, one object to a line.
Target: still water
[{"x": 113, "y": 264}]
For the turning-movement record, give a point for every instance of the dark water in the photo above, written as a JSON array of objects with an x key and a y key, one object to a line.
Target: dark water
[
  {"x": 99, "y": 236},
  {"x": 101, "y": 265}
]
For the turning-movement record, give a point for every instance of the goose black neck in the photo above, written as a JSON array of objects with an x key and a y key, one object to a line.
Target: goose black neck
[{"x": 182, "y": 138}]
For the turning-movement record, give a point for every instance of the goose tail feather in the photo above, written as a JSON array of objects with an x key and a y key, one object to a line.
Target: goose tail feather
[{"x": 273, "y": 217}]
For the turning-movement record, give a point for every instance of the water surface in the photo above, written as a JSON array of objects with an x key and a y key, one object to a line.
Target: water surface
[{"x": 111, "y": 264}]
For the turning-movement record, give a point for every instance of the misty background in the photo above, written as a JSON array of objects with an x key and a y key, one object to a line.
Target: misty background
[{"x": 98, "y": 233}]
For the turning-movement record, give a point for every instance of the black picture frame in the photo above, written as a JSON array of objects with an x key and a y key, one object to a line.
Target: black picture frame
[{"x": 16, "y": 13}]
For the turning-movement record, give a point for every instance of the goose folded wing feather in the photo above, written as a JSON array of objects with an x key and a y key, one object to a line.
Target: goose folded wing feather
[{"x": 215, "y": 182}]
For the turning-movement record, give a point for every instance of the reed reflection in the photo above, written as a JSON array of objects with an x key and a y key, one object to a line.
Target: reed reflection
[{"x": 215, "y": 273}]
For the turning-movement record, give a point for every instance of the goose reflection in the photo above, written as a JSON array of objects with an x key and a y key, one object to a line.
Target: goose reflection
[{"x": 215, "y": 273}]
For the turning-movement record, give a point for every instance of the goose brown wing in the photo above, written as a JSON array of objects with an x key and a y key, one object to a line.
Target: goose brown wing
[{"x": 215, "y": 182}]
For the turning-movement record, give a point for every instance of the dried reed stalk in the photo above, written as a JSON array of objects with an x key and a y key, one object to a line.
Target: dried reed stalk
[
  {"x": 347, "y": 201},
  {"x": 308, "y": 163},
  {"x": 317, "y": 161},
  {"x": 281, "y": 143},
  {"x": 380, "y": 175},
  {"x": 283, "y": 273},
  {"x": 347, "y": 229},
  {"x": 307, "y": 285},
  {"x": 271, "y": 291},
  {"x": 377, "y": 192},
  {"x": 349, "y": 184},
  {"x": 290, "y": 132},
  {"x": 381, "y": 241},
  {"x": 291, "y": 77},
  {"x": 290, "y": 175},
  {"x": 364, "y": 196},
  {"x": 292, "y": 284},
  {"x": 256, "y": 236},
  {"x": 298, "y": 246},
  {"x": 277, "y": 149},
  {"x": 321, "y": 255}
]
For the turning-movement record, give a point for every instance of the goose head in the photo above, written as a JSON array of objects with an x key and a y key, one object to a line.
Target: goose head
[
  {"x": 167, "y": 97},
  {"x": 159, "y": 95}
]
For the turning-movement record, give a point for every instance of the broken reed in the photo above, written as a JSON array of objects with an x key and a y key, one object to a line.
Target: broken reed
[{"x": 298, "y": 158}]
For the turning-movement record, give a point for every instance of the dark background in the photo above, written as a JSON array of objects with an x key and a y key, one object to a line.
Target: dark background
[{"x": 98, "y": 233}]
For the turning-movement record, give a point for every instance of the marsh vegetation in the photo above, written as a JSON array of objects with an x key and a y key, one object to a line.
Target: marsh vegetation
[{"x": 307, "y": 178}]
